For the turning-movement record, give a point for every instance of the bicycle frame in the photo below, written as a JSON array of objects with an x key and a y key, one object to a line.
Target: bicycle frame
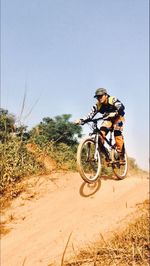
[{"x": 97, "y": 133}]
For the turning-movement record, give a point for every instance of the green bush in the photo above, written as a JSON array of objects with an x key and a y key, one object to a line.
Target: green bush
[
  {"x": 15, "y": 162},
  {"x": 64, "y": 155}
]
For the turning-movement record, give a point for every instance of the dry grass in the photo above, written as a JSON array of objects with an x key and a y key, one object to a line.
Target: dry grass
[
  {"x": 15, "y": 163},
  {"x": 3, "y": 229},
  {"x": 10, "y": 193},
  {"x": 130, "y": 247}
]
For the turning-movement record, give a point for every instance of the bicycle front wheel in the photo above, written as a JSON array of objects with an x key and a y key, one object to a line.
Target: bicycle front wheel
[{"x": 88, "y": 160}]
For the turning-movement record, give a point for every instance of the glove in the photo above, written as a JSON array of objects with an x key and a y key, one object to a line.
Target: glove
[
  {"x": 110, "y": 115},
  {"x": 79, "y": 122}
]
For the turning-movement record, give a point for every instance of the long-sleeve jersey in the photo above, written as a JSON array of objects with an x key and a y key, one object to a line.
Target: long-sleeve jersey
[{"x": 112, "y": 105}]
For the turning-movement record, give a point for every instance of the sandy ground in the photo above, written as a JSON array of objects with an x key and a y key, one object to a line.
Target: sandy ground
[{"x": 42, "y": 219}]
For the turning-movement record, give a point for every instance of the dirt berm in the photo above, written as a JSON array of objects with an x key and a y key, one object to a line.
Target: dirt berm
[{"x": 53, "y": 207}]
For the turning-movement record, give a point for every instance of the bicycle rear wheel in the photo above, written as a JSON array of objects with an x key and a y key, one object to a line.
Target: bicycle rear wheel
[
  {"x": 119, "y": 168},
  {"x": 88, "y": 160}
]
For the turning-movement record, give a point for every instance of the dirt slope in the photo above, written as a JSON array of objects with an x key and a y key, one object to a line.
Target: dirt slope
[{"x": 43, "y": 218}]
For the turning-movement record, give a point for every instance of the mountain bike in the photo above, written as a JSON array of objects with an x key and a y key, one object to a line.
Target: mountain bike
[{"x": 89, "y": 155}]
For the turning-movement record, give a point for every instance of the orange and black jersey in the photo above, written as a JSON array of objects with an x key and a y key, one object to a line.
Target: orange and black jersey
[{"x": 112, "y": 105}]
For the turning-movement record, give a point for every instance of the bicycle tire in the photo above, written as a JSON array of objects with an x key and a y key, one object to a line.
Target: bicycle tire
[
  {"x": 86, "y": 176},
  {"x": 120, "y": 170}
]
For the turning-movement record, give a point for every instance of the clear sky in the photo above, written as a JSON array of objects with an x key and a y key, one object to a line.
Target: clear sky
[{"x": 61, "y": 51}]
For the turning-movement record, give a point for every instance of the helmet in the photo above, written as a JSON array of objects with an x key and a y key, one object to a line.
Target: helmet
[{"x": 99, "y": 92}]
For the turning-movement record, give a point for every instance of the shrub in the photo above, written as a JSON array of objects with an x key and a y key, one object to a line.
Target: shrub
[
  {"x": 15, "y": 162},
  {"x": 64, "y": 155}
]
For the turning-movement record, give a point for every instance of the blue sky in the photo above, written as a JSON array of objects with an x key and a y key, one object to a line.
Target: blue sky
[{"x": 61, "y": 51}]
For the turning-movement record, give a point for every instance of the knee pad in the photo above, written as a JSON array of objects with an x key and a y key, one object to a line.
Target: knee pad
[
  {"x": 104, "y": 129},
  {"x": 117, "y": 133}
]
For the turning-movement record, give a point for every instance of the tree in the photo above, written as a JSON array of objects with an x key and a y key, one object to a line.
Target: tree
[
  {"x": 7, "y": 124},
  {"x": 59, "y": 130}
]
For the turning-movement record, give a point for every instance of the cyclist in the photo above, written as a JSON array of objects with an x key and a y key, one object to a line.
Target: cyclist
[{"x": 113, "y": 111}]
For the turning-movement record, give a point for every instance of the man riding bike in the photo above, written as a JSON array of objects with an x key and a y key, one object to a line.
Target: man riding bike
[{"x": 113, "y": 111}]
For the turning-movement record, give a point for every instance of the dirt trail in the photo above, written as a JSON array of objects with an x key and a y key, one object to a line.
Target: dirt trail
[{"x": 41, "y": 223}]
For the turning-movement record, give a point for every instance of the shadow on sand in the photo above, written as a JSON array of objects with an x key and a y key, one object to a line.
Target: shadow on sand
[{"x": 87, "y": 190}]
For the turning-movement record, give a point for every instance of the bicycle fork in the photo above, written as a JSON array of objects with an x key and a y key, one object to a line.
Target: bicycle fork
[{"x": 96, "y": 147}]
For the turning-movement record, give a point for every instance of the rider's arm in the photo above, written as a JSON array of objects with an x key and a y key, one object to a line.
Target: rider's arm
[
  {"x": 119, "y": 106},
  {"x": 89, "y": 116},
  {"x": 92, "y": 113}
]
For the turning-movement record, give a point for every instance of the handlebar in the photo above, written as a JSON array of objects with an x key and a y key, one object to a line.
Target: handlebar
[
  {"x": 105, "y": 116},
  {"x": 95, "y": 120}
]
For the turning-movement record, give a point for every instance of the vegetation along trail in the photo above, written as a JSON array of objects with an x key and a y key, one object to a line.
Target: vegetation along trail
[{"x": 61, "y": 205}]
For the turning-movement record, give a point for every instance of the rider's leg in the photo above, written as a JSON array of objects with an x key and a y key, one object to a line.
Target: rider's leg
[
  {"x": 104, "y": 129},
  {"x": 118, "y": 128},
  {"x": 119, "y": 140}
]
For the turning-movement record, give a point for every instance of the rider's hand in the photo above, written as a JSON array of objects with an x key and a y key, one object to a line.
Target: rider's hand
[
  {"x": 110, "y": 115},
  {"x": 79, "y": 122}
]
